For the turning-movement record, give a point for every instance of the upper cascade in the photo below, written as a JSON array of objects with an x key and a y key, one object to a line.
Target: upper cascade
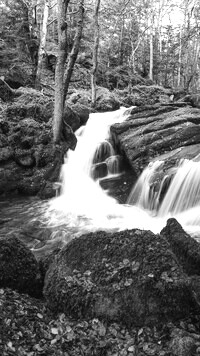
[{"x": 83, "y": 205}]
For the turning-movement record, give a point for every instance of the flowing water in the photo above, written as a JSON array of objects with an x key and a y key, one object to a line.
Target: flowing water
[{"x": 84, "y": 206}]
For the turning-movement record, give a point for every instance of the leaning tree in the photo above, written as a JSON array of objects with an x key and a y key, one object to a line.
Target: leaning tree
[{"x": 63, "y": 73}]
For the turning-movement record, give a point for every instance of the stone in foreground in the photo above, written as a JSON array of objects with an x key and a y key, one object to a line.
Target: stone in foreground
[
  {"x": 130, "y": 276},
  {"x": 19, "y": 269}
]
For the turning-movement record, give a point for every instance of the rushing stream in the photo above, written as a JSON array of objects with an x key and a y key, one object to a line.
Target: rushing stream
[{"x": 84, "y": 206}]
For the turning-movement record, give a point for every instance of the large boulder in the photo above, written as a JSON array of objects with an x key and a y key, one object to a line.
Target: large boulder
[
  {"x": 156, "y": 130},
  {"x": 19, "y": 269},
  {"x": 106, "y": 100},
  {"x": 130, "y": 276}
]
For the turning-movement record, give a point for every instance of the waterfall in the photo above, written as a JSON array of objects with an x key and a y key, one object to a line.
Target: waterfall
[
  {"x": 84, "y": 206},
  {"x": 176, "y": 195}
]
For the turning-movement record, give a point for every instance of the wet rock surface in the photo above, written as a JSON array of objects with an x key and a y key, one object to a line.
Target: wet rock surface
[{"x": 158, "y": 131}]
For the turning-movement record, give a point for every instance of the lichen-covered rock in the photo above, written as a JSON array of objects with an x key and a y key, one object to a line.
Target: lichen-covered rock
[
  {"x": 130, "y": 276},
  {"x": 18, "y": 267},
  {"x": 31, "y": 103}
]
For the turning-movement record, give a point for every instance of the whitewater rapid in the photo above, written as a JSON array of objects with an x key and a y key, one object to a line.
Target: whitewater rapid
[{"x": 85, "y": 206}]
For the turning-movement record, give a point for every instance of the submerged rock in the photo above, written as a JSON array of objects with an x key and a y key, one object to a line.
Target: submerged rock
[
  {"x": 130, "y": 276},
  {"x": 19, "y": 269}
]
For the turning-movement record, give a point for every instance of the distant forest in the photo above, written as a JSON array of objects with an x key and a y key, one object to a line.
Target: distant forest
[{"x": 152, "y": 39}]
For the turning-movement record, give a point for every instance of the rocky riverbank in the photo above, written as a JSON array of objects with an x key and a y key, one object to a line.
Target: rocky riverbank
[
  {"x": 29, "y": 162},
  {"x": 127, "y": 293}
]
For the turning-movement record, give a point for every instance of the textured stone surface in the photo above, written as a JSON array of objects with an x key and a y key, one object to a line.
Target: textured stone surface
[
  {"x": 130, "y": 276},
  {"x": 154, "y": 131},
  {"x": 18, "y": 267},
  {"x": 186, "y": 248},
  {"x": 29, "y": 162}
]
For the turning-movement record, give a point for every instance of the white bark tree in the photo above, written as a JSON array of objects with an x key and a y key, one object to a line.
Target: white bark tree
[
  {"x": 41, "y": 52},
  {"x": 95, "y": 52}
]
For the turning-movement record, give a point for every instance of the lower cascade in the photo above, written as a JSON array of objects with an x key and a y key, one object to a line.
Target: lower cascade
[{"x": 84, "y": 206}]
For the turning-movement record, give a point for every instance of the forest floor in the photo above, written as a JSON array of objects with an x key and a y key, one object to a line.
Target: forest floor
[{"x": 28, "y": 329}]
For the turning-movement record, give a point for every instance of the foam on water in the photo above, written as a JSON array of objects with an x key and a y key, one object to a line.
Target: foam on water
[{"x": 84, "y": 205}]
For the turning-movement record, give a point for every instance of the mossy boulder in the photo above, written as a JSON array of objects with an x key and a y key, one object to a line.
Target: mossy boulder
[
  {"x": 28, "y": 103},
  {"x": 130, "y": 276},
  {"x": 106, "y": 100},
  {"x": 19, "y": 269}
]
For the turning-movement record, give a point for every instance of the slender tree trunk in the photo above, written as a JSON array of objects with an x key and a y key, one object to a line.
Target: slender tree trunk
[
  {"x": 179, "y": 58},
  {"x": 95, "y": 52},
  {"x": 74, "y": 52},
  {"x": 151, "y": 54},
  {"x": 59, "y": 72},
  {"x": 121, "y": 45},
  {"x": 151, "y": 42},
  {"x": 41, "y": 52}
]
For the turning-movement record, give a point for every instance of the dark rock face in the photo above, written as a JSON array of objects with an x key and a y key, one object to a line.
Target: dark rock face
[
  {"x": 18, "y": 267},
  {"x": 184, "y": 246},
  {"x": 71, "y": 118},
  {"x": 82, "y": 111},
  {"x": 154, "y": 131},
  {"x": 131, "y": 276},
  {"x": 29, "y": 161}
]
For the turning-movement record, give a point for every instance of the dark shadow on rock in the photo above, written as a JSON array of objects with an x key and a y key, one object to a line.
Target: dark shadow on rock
[
  {"x": 19, "y": 269},
  {"x": 186, "y": 248}
]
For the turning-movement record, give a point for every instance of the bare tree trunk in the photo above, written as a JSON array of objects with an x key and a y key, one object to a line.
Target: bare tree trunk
[
  {"x": 62, "y": 78},
  {"x": 95, "y": 52},
  {"x": 59, "y": 72},
  {"x": 121, "y": 47},
  {"x": 151, "y": 41},
  {"x": 41, "y": 52},
  {"x": 151, "y": 53},
  {"x": 74, "y": 52},
  {"x": 179, "y": 59}
]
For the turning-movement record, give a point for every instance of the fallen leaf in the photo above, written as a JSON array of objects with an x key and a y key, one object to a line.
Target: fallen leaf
[{"x": 54, "y": 331}]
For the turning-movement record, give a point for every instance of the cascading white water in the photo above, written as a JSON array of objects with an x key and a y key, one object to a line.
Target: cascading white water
[
  {"x": 84, "y": 205},
  {"x": 141, "y": 193},
  {"x": 184, "y": 190},
  {"x": 181, "y": 198}
]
